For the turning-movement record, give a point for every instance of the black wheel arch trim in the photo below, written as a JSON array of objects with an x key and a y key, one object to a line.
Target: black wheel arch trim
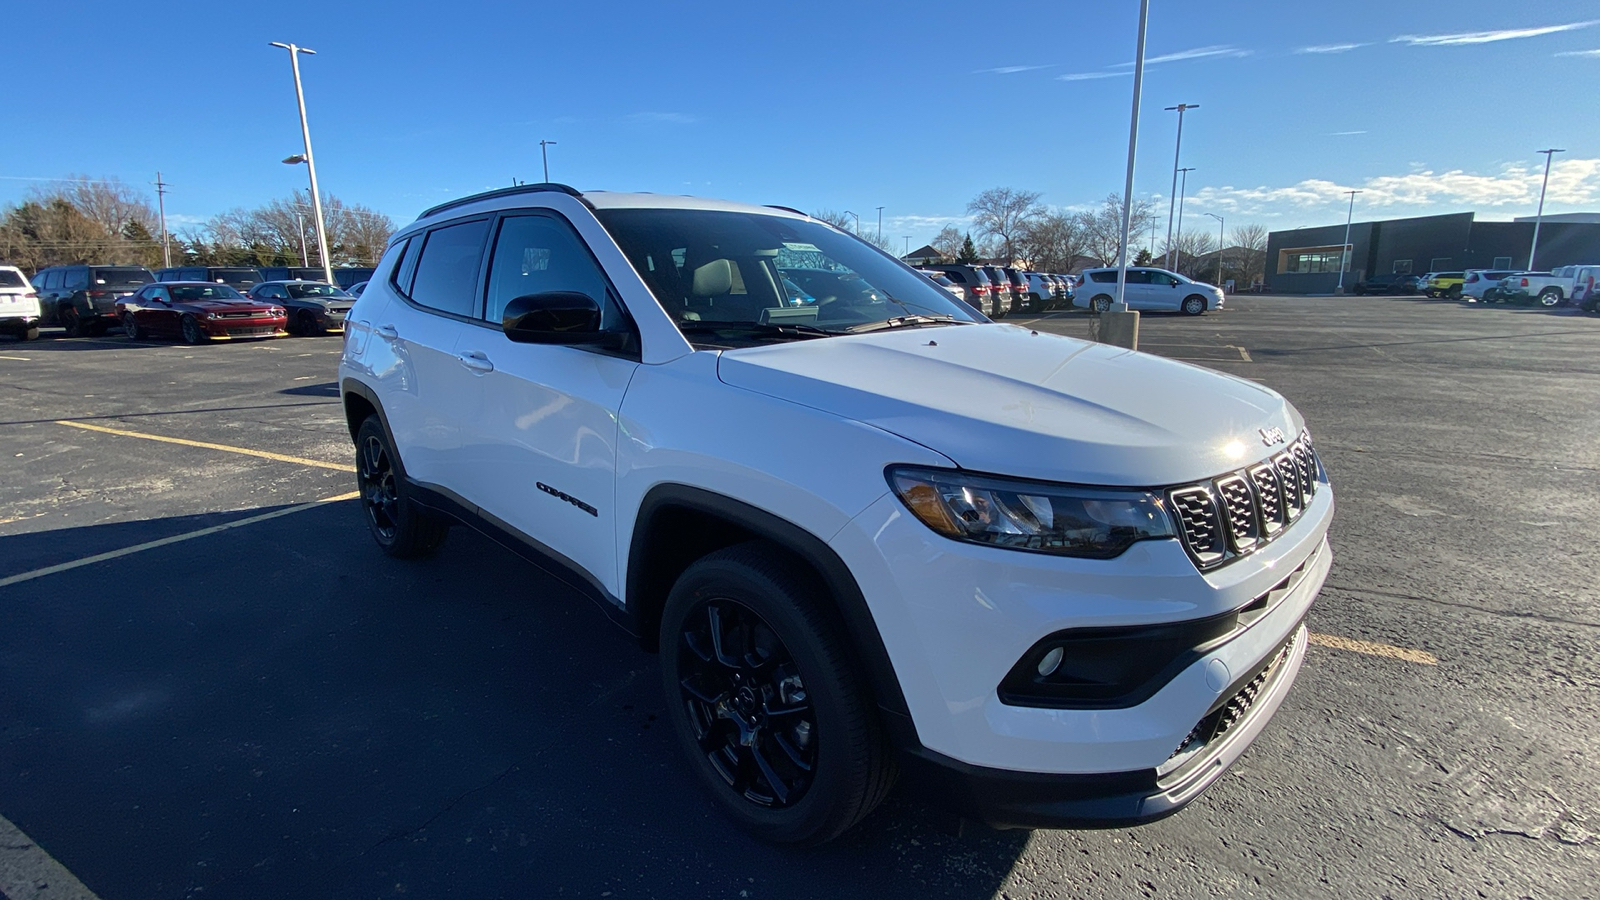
[{"x": 861, "y": 630}]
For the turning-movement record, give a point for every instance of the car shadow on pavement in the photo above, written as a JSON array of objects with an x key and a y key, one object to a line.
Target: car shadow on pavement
[
  {"x": 278, "y": 710},
  {"x": 324, "y": 389}
]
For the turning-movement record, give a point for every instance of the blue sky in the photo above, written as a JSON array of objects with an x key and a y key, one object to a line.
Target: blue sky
[{"x": 1429, "y": 105}]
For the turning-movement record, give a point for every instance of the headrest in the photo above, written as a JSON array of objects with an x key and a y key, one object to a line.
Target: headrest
[{"x": 713, "y": 279}]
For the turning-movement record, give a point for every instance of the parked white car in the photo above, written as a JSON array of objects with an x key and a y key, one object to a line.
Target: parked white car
[
  {"x": 1481, "y": 284},
  {"x": 1050, "y": 583},
  {"x": 1553, "y": 288},
  {"x": 19, "y": 305},
  {"x": 1151, "y": 290}
]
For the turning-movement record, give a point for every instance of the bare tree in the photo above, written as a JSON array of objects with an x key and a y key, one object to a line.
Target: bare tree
[
  {"x": 839, "y": 220},
  {"x": 947, "y": 242},
  {"x": 1051, "y": 242},
  {"x": 1002, "y": 213},
  {"x": 1191, "y": 246},
  {"x": 1102, "y": 227},
  {"x": 109, "y": 202},
  {"x": 1250, "y": 262}
]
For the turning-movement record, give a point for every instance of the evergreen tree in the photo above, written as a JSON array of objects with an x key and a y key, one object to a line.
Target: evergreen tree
[
  {"x": 969, "y": 253},
  {"x": 1143, "y": 258}
]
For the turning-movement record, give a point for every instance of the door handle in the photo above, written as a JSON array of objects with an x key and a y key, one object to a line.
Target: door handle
[
  {"x": 477, "y": 361},
  {"x": 387, "y": 332}
]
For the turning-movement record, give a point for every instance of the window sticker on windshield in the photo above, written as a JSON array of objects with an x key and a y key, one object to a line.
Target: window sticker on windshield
[{"x": 802, "y": 248}]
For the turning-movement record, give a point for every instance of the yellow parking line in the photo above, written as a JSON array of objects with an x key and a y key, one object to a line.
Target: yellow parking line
[
  {"x": 19, "y": 358},
  {"x": 26, "y": 870},
  {"x": 177, "y": 538},
  {"x": 207, "y": 445},
  {"x": 1389, "y": 651}
]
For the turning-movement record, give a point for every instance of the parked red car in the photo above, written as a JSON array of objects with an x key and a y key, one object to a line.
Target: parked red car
[{"x": 198, "y": 311}]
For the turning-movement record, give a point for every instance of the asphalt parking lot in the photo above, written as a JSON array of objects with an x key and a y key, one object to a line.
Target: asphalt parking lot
[{"x": 213, "y": 684}]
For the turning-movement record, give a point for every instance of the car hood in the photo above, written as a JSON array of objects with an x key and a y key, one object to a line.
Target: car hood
[
  {"x": 225, "y": 305},
  {"x": 1006, "y": 400}
]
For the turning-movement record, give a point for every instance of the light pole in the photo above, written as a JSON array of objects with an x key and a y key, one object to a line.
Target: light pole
[
  {"x": 300, "y": 223},
  {"x": 908, "y": 244},
  {"x": 1220, "y": 225},
  {"x": 1121, "y": 306},
  {"x": 544, "y": 154},
  {"x": 1183, "y": 189},
  {"x": 858, "y": 220},
  {"x": 307, "y": 158},
  {"x": 161, "y": 200},
  {"x": 1172, "y": 198},
  {"x": 1539, "y": 219},
  {"x": 880, "y": 224},
  {"x": 1344, "y": 252}
]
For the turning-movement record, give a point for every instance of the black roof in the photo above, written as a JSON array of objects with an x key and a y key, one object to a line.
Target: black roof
[{"x": 504, "y": 192}]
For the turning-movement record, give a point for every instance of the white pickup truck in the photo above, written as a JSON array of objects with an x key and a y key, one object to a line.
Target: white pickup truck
[{"x": 1568, "y": 284}]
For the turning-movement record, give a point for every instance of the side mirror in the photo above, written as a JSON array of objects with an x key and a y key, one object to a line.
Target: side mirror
[{"x": 556, "y": 317}]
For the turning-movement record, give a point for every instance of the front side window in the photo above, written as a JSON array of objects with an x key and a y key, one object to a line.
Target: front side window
[
  {"x": 447, "y": 269},
  {"x": 159, "y": 293},
  {"x": 535, "y": 254},
  {"x": 711, "y": 268},
  {"x": 52, "y": 280}
]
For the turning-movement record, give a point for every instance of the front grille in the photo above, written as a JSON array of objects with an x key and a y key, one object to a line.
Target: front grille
[
  {"x": 1216, "y": 725},
  {"x": 1237, "y": 513},
  {"x": 246, "y": 314},
  {"x": 249, "y": 332}
]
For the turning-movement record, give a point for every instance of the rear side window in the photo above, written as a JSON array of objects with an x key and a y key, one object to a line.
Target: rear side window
[
  {"x": 535, "y": 254},
  {"x": 1104, "y": 277},
  {"x": 121, "y": 276},
  {"x": 447, "y": 270},
  {"x": 955, "y": 276}
]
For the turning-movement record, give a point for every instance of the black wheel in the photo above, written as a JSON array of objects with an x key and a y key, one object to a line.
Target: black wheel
[
  {"x": 1101, "y": 304},
  {"x": 402, "y": 529},
  {"x": 71, "y": 322},
  {"x": 305, "y": 324},
  {"x": 1194, "y": 305},
  {"x": 1454, "y": 293},
  {"x": 765, "y": 702},
  {"x": 130, "y": 327},
  {"x": 192, "y": 332}
]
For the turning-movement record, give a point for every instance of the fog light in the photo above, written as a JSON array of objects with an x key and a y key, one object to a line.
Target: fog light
[{"x": 1051, "y": 662}]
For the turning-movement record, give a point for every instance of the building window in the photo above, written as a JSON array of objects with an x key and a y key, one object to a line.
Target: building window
[
  {"x": 1311, "y": 260},
  {"x": 1501, "y": 262},
  {"x": 1439, "y": 264},
  {"x": 1402, "y": 267}
]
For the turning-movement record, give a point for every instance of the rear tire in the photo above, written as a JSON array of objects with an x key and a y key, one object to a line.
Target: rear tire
[
  {"x": 1549, "y": 297},
  {"x": 71, "y": 323},
  {"x": 31, "y": 333},
  {"x": 130, "y": 327},
  {"x": 765, "y": 701},
  {"x": 400, "y": 527}
]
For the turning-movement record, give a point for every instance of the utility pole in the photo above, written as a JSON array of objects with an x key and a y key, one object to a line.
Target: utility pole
[
  {"x": 310, "y": 161},
  {"x": 1181, "y": 191},
  {"x": 544, "y": 154},
  {"x": 880, "y": 224},
  {"x": 858, "y": 220},
  {"x": 1172, "y": 198},
  {"x": 1539, "y": 219},
  {"x": 908, "y": 244},
  {"x": 1344, "y": 252},
  {"x": 1119, "y": 325},
  {"x": 1220, "y": 225},
  {"x": 161, "y": 201},
  {"x": 300, "y": 223}
]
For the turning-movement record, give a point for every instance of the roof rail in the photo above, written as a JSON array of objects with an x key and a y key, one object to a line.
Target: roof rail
[
  {"x": 506, "y": 192},
  {"x": 788, "y": 209}
]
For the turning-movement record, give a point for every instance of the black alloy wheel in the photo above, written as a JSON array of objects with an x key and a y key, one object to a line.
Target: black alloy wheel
[
  {"x": 764, "y": 698},
  {"x": 192, "y": 332},
  {"x": 401, "y": 528},
  {"x": 130, "y": 327},
  {"x": 306, "y": 323},
  {"x": 71, "y": 322}
]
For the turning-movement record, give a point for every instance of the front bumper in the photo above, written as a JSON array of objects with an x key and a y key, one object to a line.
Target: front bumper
[
  {"x": 955, "y": 618},
  {"x": 244, "y": 329},
  {"x": 15, "y": 321}
]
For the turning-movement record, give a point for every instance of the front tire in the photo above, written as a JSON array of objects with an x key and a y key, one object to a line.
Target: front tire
[
  {"x": 1194, "y": 305},
  {"x": 192, "y": 332},
  {"x": 765, "y": 701},
  {"x": 1101, "y": 304}
]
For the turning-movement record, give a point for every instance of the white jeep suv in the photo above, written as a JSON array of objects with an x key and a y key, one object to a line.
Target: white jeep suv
[{"x": 873, "y": 536}]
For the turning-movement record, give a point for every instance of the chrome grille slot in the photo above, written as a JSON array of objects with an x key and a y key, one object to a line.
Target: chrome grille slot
[
  {"x": 1307, "y": 468},
  {"x": 1240, "y": 507},
  {"x": 1294, "y": 500},
  {"x": 1202, "y": 529},
  {"x": 1270, "y": 496}
]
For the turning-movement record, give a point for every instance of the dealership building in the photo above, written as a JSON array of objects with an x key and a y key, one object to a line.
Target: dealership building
[{"x": 1307, "y": 260}]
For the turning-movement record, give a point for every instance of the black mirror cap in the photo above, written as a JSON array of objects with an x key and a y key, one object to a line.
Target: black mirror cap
[{"x": 555, "y": 317}]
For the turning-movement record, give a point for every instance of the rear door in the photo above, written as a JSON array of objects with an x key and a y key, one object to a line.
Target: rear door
[{"x": 539, "y": 443}]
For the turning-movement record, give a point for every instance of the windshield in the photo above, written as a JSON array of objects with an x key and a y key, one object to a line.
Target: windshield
[
  {"x": 298, "y": 291},
  {"x": 9, "y": 278},
  {"x": 707, "y": 266},
  {"x": 187, "y": 293},
  {"x": 123, "y": 276}
]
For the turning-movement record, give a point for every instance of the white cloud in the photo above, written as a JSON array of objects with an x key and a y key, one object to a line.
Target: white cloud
[
  {"x": 1012, "y": 70},
  {"x": 1572, "y": 182},
  {"x": 1485, "y": 37},
  {"x": 1089, "y": 76},
  {"x": 1343, "y": 133},
  {"x": 1216, "y": 50},
  {"x": 1330, "y": 48},
  {"x": 1589, "y": 53}
]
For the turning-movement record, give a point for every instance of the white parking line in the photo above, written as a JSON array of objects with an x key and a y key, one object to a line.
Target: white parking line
[
  {"x": 27, "y": 871},
  {"x": 187, "y": 536}
]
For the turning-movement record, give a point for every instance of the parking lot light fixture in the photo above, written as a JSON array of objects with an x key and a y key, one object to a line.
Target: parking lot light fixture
[
  {"x": 1183, "y": 189},
  {"x": 1344, "y": 251},
  {"x": 1121, "y": 303},
  {"x": 307, "y": 158},
  {"x": 880, "y": 224},
  {"x": 1539, "y": 218},
  {"x": 858, "y": 220},
  {"x": 544, "y": 154},
  {"x": 1220, "y": 226},
  {"x": 1176, "y": 153}
]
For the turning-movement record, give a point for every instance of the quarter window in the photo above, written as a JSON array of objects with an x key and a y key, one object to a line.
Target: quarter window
[
  {"x": 76, "y": 279},
  {"x": 534, "y": 254},
  {"x": 447, "y": 270}
]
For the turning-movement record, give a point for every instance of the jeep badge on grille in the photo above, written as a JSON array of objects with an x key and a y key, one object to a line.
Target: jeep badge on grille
[{"x": 1274, "y": 435}]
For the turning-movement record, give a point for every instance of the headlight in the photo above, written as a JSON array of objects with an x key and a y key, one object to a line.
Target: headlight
[{"x": 1062, "y": 519}]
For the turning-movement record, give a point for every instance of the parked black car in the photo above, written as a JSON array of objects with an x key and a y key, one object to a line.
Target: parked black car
[
  {"x": 315, "y": 307},
  {"x": 240, "y": 278},
  {"x": 83, "y": 299},
  {"x": 1009, "y": 299},
  {"x": 350, "y": 276},
  {"x": 973, "y": 280},
  {"x": 290, "y": 273},
  {"x": 1019, "y": 289},
  {"x": 1390, "y": 284}
]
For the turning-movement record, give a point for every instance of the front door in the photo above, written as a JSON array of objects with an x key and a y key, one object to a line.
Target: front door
[{"x": 539, "y": 449}]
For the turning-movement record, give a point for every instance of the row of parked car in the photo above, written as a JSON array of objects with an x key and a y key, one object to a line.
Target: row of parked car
[
  {"x": 193, "y": 303},
  {"x": 1567, "y": 285},
  {"x": 996, "y": 291}
]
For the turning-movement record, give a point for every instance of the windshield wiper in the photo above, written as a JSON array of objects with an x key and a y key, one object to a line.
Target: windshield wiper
[
  {"x": 904, "y": 322},
  {"x": 795, "y": 329}
]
